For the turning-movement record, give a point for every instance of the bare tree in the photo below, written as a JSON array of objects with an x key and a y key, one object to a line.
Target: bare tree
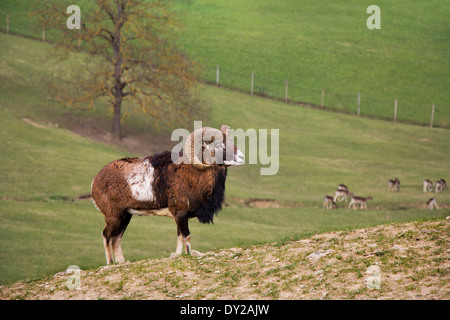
[{"x": 133, "y": 57}]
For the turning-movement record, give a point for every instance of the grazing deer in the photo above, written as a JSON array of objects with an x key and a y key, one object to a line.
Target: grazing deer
[
  {"x": 432, "y": 203},
  {"x": 342, "y": 195},
  {"x": 359, "y": 200},
  {"x": 444, "y": 184},
  {"x": 441, "y": 185},
  {"x": 328, "y": 203},
  {"x": 427, "y": 185},
  {"x": 394, "y": 185}
]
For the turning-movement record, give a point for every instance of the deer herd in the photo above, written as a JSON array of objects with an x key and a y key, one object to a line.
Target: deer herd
[{"x": 342, "y": 193}]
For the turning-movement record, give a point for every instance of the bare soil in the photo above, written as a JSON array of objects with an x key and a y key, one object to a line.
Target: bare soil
[
  {"x": 98, "y": 129},
  {"x": 395, "y": 261}
]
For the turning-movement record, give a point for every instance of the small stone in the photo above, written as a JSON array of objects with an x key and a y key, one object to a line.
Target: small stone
[
  {"x": 319, "y": 254},
  {"x": 428, "y": 231}
]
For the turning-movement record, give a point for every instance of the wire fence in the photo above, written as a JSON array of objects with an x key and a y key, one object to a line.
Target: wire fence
[{"x": 411, "y": 109}]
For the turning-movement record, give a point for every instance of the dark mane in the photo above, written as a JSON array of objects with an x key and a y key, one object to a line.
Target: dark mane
[
  {"x": 160, "y": 160},
  {"x": 130, "y": 159},
  {"x": 213, "y": 203}
]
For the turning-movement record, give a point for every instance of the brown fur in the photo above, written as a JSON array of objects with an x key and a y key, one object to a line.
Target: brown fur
[
  {"x": 156, "y": 186},
  {"x": 394, "y": 185},
  {"x": 186, "y": 189},
  {"x": 111, "y": 191},
  {"x": 341, "y": 194},
  {"x": 328, "y": 202},
  {"x": 359, "y": 200}
]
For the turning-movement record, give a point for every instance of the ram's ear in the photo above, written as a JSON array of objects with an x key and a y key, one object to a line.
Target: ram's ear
[{"x": 225, "y": 129}]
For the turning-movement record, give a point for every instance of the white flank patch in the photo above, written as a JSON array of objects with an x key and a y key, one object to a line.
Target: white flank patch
[
  {"x": 92, "y": 197},
  {"x": 140, "y": 181}
]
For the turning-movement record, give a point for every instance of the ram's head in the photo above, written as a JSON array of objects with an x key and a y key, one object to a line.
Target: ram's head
[{"x": 206, "y": 147}]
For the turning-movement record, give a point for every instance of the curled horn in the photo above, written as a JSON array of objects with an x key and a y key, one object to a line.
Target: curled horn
[
  {"x": 193, "y": 146},
  {"x": 225, "y": 129}
]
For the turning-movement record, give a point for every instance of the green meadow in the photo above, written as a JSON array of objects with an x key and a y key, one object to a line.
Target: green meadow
[
  {"x": 45, "y": 168},
  {"x": 315, "y": 44}
]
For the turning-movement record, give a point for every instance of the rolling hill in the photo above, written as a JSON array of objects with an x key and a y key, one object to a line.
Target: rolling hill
[
  {"x": 46, "y": 226},
  {"x": 314, "y": 45},
  {"x": 405, "y": 261}
]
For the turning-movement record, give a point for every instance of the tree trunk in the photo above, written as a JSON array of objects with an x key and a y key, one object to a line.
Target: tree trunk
[
  {"x": 116, "y": 129},
  {"x": 118, "y": 88},
  {"x": 118, "y": 72}
]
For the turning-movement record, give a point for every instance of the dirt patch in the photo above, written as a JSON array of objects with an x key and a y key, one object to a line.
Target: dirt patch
[
  {"x": 39, "y": 125},
  {"x": 258, "y": 203},
  {"x": 82, "y": 197},
  {"x": 133, "y": 140},
  {"x": 263, "y": 203}
]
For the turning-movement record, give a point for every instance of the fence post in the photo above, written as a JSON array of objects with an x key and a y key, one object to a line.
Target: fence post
[
  {"x": 323, "y": 96},
  {"x": 7, "y": 23},
  {"x": 395, "y": 110},
  {"x": 43, "y": 33},
  {"x": 253, "y": 81},
  {"x": 432, "y": 116},
  {"x": 286, "y": 91},
  {"x": 217, "y": 75},
  {"x": 359, "y": 102},
  {"x": 79, "y": 39}
]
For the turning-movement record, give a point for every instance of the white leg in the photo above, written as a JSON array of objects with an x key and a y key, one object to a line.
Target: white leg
[
  {"x": 108, "y": 250},
  {"x": 117, "y": 248},
  {"x": 187, "y": 243},
  {"x": 179, "y": 250}
]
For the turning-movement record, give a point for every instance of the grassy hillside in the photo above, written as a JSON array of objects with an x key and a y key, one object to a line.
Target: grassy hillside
[
  {"x": 397, "y": 261},
  {"x": 317, "y": 44},
  {"x": 44, "y": 167}
]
